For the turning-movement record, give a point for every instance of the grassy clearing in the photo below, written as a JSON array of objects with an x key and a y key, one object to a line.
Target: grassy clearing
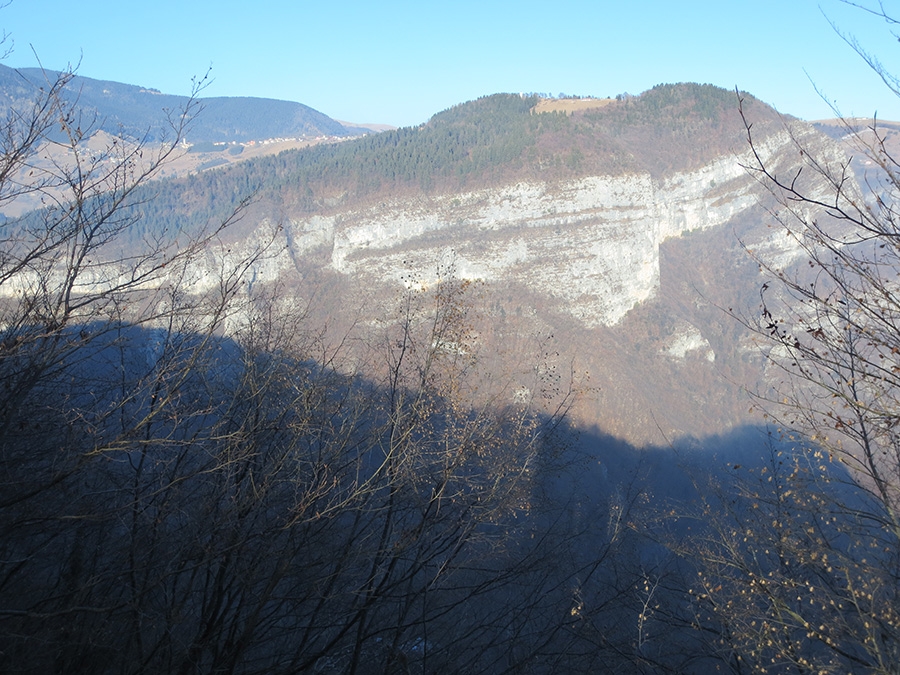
[{"x": 570, "y": 105}]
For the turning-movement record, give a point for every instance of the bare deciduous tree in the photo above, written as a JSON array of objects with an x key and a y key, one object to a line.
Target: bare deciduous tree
[
  {"x": 186, "y": 485},
  {"x": 799, "y": 557}
]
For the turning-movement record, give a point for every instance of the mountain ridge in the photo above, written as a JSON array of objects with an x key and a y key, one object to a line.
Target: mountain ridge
[
  {"x": 493, "y": 141},
  {"x": 568, "y": 220},
  {"x": 141, "y": 113}
]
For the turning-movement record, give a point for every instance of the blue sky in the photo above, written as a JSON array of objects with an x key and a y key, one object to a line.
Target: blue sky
[{"x": 399, "y": 62}]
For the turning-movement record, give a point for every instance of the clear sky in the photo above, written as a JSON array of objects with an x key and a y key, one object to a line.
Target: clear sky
[{"x": 399, "y": 62}]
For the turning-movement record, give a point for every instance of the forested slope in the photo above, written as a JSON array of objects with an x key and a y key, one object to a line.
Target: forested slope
[{"x": 495, "y": 140}]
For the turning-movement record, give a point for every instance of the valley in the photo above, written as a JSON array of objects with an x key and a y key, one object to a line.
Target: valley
[{"x": 540, "y": 385}]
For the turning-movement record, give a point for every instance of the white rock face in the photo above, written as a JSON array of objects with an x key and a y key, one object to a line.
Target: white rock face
[
  {"x": 686, "y": 340},
  {"x": 593, "y": 244}
]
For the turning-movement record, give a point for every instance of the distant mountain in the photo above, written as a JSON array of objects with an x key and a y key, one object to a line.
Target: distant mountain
[{"x": 135, "y": 111}]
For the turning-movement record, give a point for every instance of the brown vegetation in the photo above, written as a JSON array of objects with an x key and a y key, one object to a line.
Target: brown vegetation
[{"x": 570, "y": 105}]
